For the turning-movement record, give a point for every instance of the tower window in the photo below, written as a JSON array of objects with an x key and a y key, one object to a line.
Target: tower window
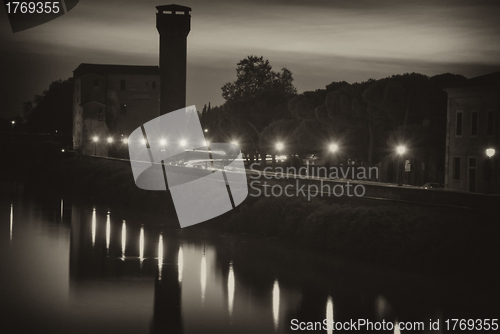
[
  {"x": 122, "y": 84},
  {"x": 459, "y": 121}
]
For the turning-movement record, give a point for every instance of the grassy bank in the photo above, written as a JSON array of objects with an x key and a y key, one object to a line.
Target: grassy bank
[{"x": 420, "y": 238}]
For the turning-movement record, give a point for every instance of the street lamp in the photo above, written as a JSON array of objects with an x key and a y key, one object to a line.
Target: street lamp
[
  {"x": 333, "y": 148},
  {"x": 206, "y": 130},
  {"x": 163, "y": 142},
  {"x": 110, "y": 140},
  {"x": 234, "y": 142},
  {"x": 13, "y": 122},
  {"x": 490, "y": 152},
  {"x": 125, "y": 141},
  {"x": 95, "y": 139},
  {"x": 401, "y": 150},
  {"x": 279, "y": 146},
  {"x": 183, "y": 142}
]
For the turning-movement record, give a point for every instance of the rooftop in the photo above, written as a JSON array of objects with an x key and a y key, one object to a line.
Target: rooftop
[{"x": 105, "y": 69}]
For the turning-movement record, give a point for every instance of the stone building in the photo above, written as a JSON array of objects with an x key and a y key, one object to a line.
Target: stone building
[
  {"x": 473, "y": 134},
  {"x": 109, "y": 102}
]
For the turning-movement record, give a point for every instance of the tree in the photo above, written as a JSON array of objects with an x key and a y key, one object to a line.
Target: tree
[
  {"x": 258, "y": 97},
  {"x": 254, "y": 75},
  {"x": 53, "y": 110}
]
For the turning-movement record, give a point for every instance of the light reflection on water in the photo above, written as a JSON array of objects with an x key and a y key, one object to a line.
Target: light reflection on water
[
  {"x": 230, "y": 289},
  {"x": 124, "y": 239},
  {"x": 329, "y": 313},
  {"x": 143, "y": 278},
  {"x": 180, "y": 264},
  {"x": 276, "y": 304}
]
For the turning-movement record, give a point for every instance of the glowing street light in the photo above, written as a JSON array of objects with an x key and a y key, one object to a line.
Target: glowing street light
[
  {"x": 280, "y": 146},
  {"x": 95, "y": 139},
  {"x": 163, "y": 142},
  {"x": 490, "y": 152},
  {"x": 143, "y": 141},
  {"x": 13, "y": 122},
  {"x": 234, "y": 142},
  {"x": 183, "y": 143},
  {"x": 401, "y": 149},
  {"x": 125, "y": 140},
  {"x": 333, "y": 148},
  {"x": 110, "y": 140},
  {"x": 206, "y": 130}
]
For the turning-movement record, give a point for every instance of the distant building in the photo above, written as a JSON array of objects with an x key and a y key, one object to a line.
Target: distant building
[
  {"x": 110, "y": 101},
  {"x": 473, "y": 128}
]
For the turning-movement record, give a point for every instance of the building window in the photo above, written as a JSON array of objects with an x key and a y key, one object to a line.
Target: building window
[
  {"x": 153, "y": 84},
  {"x": 122, "y": 84},
  {"x": 123, "y": 109},
  {"x": 459, "y": 123},
  {"x": 490, "y": 121},
  {"x": 456, "y": 168},
  {"x": 473, "y": 124},
  {"x": 100, "y": 115},
  {"x": 96, "y": 82}
]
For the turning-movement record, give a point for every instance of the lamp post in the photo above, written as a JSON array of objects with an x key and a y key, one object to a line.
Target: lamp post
[
  {"x": 490, "y": 152},
  {"x": 400, "y": 150},
  {"x": 279, "y": 147},
  {"x": 13, "y": 122},
  {"x": 95, "y": 139},
  {"x": 332, "y": 149}
]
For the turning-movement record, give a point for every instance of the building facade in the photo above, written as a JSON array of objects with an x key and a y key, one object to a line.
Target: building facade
[
  {"x": 109, "y": 102},
  {"x": 472, "y": 140}
]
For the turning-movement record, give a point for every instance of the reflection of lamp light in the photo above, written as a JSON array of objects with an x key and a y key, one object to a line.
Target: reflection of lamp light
[
  {"x": 141, "y": 246},
  {"x": 108, "y": 232},
  {"x": 180, "y": 263},
  {"x": 124, "y": 239},
  {"x": 94, "y": 227},
  {"x": 490, "y": 152},
  {"x": 230, "y": 289},
  {"x": 203, "y": 278},
  {"x": 234, "y": 142},
  {"x": 276, "y": 304},
  {"x": 160, "y": 256},
  {"x": 329, "y": 313}
]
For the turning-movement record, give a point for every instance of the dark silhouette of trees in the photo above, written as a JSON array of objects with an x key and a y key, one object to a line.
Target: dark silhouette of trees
[
  {"x": 258, "y": 97},
  {"x": 254, "y": 75},
  {"x": 53, "y": 110}
]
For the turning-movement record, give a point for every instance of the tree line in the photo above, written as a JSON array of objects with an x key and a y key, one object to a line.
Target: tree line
[{"x": 366, "y": 120}]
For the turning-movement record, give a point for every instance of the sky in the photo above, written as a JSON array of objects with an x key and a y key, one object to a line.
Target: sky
[{"x": 320, "y": 41}]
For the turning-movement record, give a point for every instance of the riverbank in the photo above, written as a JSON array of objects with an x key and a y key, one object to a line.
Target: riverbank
[{"x": 404, "y": 236}]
